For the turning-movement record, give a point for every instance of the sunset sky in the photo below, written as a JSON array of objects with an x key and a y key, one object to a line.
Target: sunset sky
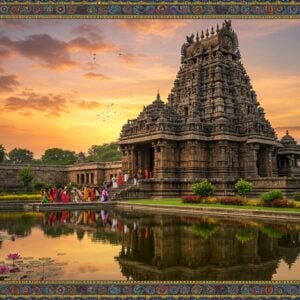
[{"x": 74, "y": 83}]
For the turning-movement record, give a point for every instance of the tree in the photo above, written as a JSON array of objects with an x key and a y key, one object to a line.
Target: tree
[
  {"x": 20, "y": 156},
  {"x": 243, "y": 187},
  {"x": 59, "y": 156},
  {"x": 203, "y": 188},
  {"x": 2, "y": 153},
  {"x": 103, "y": 153},
  {"x": 26, "y": 176}
]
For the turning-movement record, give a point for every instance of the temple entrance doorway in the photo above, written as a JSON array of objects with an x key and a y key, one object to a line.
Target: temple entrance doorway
[
  {"x": 145, "y": 160},
  {"x": 262, "y": 161}
]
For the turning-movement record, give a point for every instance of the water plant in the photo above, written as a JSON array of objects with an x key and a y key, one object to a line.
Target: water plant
[{"x": 30, "y": 268}]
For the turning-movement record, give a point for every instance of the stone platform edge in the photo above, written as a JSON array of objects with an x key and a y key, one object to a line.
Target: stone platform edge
[{"x": 219, "y": 212}]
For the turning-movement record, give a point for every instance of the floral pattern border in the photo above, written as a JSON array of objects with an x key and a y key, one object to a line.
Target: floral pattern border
[
  {"x": 153, "y": 290},
  {"x": 120, "y": 9}
]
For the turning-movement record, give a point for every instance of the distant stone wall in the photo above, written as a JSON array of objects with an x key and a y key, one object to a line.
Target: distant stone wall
[
  {"x": 9, "y": 179},
  {"x": 84, "y": 174}
]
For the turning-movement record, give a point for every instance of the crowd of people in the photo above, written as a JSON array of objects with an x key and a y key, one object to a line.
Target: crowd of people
[
  {"x": 86, "y": 193},
  {"x": 74, "y": 194}
]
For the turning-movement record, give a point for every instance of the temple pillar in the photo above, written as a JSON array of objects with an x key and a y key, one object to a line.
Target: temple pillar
[{"x": 253, "y": 160}]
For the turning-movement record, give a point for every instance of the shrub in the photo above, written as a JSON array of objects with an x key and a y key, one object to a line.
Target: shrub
[
  {"x": 243, "y": 187},
  {"x": 26, "y": 176},
  {"x": 231, "y": 200},
  {"x": 280, "y": 203},
  {"x": 39, "y": 185},
  {"x": 292, "y": 204},
  {"x": 191, "y": 199},
  {"x": 72, "y": 185},
  {"x": 253, "y": 202},
  {"x": 203, "y": 188},
  {"x": 296, "y": 196},
  {"x": 210, "y": 200},
  {"x": 268, "y": 197}
]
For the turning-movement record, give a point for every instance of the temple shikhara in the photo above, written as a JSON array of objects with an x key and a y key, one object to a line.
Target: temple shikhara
[{"x": 212, "y": 126}]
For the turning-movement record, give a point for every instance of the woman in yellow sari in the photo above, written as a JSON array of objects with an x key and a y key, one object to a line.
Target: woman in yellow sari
[{"x": 85, "y": 194}]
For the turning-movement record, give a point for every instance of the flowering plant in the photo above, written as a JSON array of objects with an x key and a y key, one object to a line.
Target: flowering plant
[
  {"x": 13, "y": 256},
  {"x": 4, "y": 269}
]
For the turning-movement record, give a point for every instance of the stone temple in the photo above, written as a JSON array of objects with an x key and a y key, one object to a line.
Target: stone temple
[{"x": 212, "y": 126}]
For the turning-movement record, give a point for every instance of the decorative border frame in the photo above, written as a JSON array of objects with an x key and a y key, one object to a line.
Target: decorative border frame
[
  {"x": 149, "y": 290},
  {"x": 162, "y": 9},
  {"x": 149, "y": 9}
]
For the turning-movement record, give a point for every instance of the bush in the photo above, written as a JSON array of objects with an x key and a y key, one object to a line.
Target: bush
[
  {"x": 72, "y": 185},
  {"x": 268, "y": 197},
  {"x": 280, "y": 203},
  {"x": 39, "y": 185},
  {"x": 296, "y": 196},
  {"x": 231, "y": 200},
  {"x": 26, "y": 176},
  {"x": 243, "y": 187},
  {"x": 210, "y": 200},
  {"x": 191, "y": 199},
  {"x": 253, "y": 202},
  {"x": 203, "y": 188}
]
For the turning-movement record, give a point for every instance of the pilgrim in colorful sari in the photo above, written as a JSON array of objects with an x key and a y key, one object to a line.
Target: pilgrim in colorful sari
[
  {"x": 85, "y": 194},
  {"x": 45, "y": 198},
  {"x": 120, "y": 180},
  {"x": 93, "y": 194}
]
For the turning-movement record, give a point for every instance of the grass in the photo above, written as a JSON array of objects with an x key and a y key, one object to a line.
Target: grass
[
  {"x": 12, "y": 197},
  {"x": 178, "y": 202}
]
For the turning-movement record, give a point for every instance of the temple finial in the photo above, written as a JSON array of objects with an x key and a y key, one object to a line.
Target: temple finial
[
  {"x": 158, "y": 95},
  {"x": 212, "y": 30},
  {"x": 197, "y": 37},
  {"x": 207, "y": 33},
  {"x": 218, "y": 30},
  {"x": 202, "y": 35},
  {"x": 287, "y": 132}
]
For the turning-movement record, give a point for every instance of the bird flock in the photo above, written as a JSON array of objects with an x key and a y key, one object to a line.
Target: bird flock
[{"x": 107, "y": 113}]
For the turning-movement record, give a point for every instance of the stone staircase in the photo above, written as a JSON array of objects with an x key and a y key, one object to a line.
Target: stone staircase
[{"x": 122, "y": 192}]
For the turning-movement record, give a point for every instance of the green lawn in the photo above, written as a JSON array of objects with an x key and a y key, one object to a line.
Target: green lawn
[{"x": 178, "y": 202}]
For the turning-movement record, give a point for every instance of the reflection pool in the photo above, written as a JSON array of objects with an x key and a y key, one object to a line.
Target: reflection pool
[{"x": 119, "y": 245}]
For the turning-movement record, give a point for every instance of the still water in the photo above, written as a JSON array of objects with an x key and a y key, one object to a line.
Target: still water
[{"x": 119, "y": 245}]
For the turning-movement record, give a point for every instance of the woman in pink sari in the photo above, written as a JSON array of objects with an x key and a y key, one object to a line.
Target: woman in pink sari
[{"x": 65, "y": 196}]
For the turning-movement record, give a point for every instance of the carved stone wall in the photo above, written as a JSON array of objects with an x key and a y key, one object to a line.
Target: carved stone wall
[{"x": 83, "y": 174}]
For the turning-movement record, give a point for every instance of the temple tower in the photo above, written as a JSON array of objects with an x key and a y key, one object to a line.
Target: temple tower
[{"x": 212, "y": 125}]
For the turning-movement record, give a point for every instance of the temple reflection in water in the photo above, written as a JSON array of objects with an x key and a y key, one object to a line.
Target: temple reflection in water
[
  {"x": 161, "y": 247},
  {"x": 170, "y": 248}
]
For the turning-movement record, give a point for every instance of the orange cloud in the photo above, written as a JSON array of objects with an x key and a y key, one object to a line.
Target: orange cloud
[
  {"x": 50, "y": 52},
  {"x": 90, "y": 39},
  {"x": 97, "y": 76},
  {"x": 52, "y": 105},
  {"x": 89, "y": 104},
  {"x": 8, "y": 83},
  {"x": 130, "y": 59},
  {"x": 84, "y": 44},
  {"x": 159, "y": 28}
]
